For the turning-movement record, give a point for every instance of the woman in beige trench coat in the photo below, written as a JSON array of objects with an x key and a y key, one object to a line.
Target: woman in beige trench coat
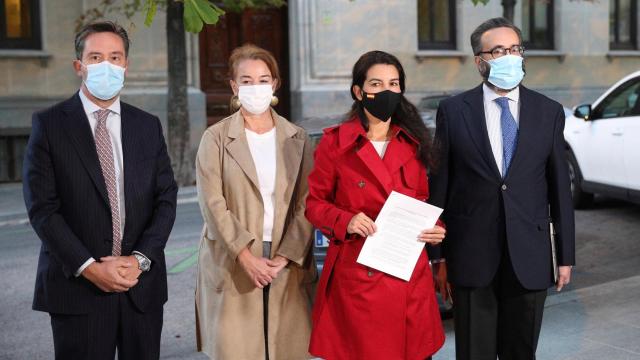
[{"x": 253, "y": 297}]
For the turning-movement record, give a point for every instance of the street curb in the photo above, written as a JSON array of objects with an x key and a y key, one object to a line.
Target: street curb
[
  {"x": 186, "y": 195},
  {"x": 19, "y": 220},
  {"x": 16, "y": 218}
]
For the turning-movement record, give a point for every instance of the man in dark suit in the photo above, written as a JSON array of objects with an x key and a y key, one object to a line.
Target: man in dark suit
[
  {"x": 101, "y": 196},
  {"x": 501, "y": 176}
]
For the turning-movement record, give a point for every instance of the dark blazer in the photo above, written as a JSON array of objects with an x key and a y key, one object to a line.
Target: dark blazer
[
  {"x": 481, "y": 210},
  {"x": 67, "y": 201}
]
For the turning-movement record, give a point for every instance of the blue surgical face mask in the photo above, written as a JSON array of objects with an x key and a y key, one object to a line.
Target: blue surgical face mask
[
  {"x": 104, "y": 80},
  {"x": 506, "y": 71}
]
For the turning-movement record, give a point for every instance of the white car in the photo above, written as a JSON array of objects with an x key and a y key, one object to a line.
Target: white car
[{"x": 603, "y": 145}]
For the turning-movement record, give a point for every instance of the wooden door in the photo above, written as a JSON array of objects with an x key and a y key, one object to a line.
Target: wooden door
[{"x": 265, "y": 28}]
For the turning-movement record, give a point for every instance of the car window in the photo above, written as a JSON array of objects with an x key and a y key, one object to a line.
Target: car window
[
  {"x": 623, "y": 101},
  {"x": 430, "y": 102},
  {"x": 315, "y": 139}
]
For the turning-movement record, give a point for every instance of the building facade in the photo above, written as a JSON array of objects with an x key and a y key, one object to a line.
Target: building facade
[
  {"x": 36, "y": 70},
  {"x": 575, "y": 50}
]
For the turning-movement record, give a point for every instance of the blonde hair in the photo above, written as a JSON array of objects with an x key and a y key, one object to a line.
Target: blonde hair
[{"x": 252, "y": 52}]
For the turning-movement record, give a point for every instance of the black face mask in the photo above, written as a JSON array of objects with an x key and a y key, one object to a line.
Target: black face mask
[{"x": 381, "y": 104}]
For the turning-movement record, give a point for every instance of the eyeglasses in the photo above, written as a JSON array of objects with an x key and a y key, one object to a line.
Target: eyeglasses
[{"x": 500, "y": 51}]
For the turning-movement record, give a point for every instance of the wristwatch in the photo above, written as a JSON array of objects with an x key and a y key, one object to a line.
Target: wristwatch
[{"x": 143, "y": 263}]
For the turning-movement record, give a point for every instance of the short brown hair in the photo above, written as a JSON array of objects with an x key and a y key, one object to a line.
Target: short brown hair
[
  {"x": 253, "y": 52},
  {"x": 98, "y": 27}
]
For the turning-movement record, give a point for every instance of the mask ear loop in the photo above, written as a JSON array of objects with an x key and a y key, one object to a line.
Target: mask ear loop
[{"x": 84, "y": 81}]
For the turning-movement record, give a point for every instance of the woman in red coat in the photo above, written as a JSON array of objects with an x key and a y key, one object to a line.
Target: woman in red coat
[{"x": 360, "y": 312}]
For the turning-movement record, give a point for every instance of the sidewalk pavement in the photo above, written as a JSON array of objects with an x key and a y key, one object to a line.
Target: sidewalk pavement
[
  {"x": 14, "y": 212},
  {"x": 593, "y": 323},
  {"x": 597, "y": 322},
  {"x": 12, "y": 207}
]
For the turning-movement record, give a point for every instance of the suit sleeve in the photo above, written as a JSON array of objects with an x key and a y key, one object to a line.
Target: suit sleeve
[
  {"x": 560, "y": 202},
  {"x": 321, "y": 209},
  {"x": 43, "y": 203},
  {"x": 154, "y": 238},
  {"x": 217, "y": 216},
  {"x": 297, "y": 237},
  {"x": 439, "y": 175}
]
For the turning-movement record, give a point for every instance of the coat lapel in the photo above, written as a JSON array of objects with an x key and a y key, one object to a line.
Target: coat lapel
[
  {"x": 288, "y": 158},
  {"x": 352, "y": 133},
  {"x": 474, "y": 117},
  {"x": 129, "y": 143},
  {"x": 289, "y": 152},
  {"x": 78, "y": 129},
  {"x": 238, "y": 148},
  {"x": 401, "y": 149},
  {"x": 367, "y": 153}
]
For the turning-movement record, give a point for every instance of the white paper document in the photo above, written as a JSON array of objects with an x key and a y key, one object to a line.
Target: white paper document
[{"x": 394, "y": 248}]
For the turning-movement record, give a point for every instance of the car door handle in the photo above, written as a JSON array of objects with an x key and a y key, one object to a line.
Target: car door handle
[{"x": 616, "y": 133}]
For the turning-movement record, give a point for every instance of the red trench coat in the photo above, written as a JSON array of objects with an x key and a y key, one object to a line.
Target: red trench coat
[{"x": 359, "y": 312}]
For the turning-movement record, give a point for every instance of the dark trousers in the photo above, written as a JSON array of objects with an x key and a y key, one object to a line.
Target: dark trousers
[
  {"x": 500, "y": 320},
  {"x": 114, "y": 323},
  {"x": 266, "y": 253}
]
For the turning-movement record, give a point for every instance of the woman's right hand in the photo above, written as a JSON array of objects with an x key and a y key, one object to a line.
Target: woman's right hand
[
  {"x": 362, "y": 225},
  {"x": 260, "y": 273}
]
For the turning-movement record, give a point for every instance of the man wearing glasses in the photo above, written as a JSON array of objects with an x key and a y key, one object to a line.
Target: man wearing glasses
[{"x": 502, "y": 177}]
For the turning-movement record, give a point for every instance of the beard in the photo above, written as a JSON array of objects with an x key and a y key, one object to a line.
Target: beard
[{"x": 484, "y": 69}]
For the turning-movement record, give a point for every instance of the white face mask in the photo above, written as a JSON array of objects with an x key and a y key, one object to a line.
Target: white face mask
[
  {"x": 104, "y": 80},
  {"x": 255, "y": 98}
]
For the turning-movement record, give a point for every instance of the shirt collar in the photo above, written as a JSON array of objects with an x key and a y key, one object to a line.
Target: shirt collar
[
  {"x": 491, "y": 95},
  {"x": 352, "y": 129},
  {"x": 90, "y": 107}
]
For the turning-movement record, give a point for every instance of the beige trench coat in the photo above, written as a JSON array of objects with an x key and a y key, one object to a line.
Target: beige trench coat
[{"x": 229, "y": 308}]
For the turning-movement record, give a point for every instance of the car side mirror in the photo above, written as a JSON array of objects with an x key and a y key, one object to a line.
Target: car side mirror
[{"x": 583, "y": 112}]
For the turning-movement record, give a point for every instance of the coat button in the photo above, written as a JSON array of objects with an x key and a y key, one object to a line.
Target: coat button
[
  {"x": 361, "y": 184},
  {"x": 504, "y": 187},
  {"x": 369, "y": 273}
]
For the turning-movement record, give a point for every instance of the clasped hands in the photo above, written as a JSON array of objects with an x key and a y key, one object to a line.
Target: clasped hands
[
  {"x": 362, "y": 225},
  {"x": 261, "y": 271},
  {"x": 113, "y": 273}
]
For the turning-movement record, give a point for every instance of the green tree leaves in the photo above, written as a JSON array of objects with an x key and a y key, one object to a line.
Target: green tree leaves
[
  {"x": 200, "y": 12},
  {"x": 196, "y": 12},
  {"x": 151, "y": 8}
]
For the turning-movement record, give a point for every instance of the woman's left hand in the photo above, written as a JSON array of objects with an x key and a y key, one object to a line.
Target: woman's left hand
[
  {"x": 433, "y": 236},
  {"x": 277, "y": 264}
]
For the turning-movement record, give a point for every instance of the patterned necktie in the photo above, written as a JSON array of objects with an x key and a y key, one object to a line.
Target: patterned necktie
[
  {"x": 509, "y": 134},
  {"x": 105, "y": 154}
]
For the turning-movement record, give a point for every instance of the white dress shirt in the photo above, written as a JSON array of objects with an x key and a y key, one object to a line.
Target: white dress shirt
[
  {"x": 114, "y": 128},
  {"x": 380, "y": 146},
  {"x": 263, "y": 152},
  {"x": 492, "y": 113}
]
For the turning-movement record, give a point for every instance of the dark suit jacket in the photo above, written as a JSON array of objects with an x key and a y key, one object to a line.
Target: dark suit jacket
[
  {"x": 481, "y": 209},
  {"x": 67, "y": 201}
]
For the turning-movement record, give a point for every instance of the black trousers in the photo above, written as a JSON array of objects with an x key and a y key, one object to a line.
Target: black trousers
[
  {"x": 500, "y": 320},
  {"x": 114, "y": 323},
  {"x": 266, "y": 253}
]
